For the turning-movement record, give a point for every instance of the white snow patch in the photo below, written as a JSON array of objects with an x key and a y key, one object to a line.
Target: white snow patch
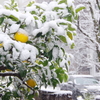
[
  {"x": 15, "y": 54},
  {"x": 14, "y": 28},
  {"x": 55, "y": 52},
  {"x": 25, "y": 54},
  {"x": 56, "y": 90},
  {"x": 80, "y": 98},
  {"x": 70, "y": 2}
]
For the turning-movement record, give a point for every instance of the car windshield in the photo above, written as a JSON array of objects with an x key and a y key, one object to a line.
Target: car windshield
[{"x": 86, "y": 81}]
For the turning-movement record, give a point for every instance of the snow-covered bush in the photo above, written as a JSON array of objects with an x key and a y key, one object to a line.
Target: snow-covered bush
[{"x": 32, "y": 46}]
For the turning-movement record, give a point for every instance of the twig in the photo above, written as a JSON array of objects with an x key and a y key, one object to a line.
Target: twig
[{"x": 5, "y": 28}]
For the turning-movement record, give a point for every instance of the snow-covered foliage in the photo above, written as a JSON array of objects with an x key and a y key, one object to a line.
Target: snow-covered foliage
[
  {"x": 50, "y": 29},
  {"x": 87, "y": 41}
]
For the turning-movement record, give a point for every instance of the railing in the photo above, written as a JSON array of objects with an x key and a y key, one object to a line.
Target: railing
[{"x": 60, "y": 95}]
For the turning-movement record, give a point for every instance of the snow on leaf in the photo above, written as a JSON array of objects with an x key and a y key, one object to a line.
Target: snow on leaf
[
  {"x": 25, "y": 54},
  {"x": 70, "y": 2},
  {"x": 55, "y": 52},
  {"x": 14, "y": 28},
  {"x": 70, "y": 35},
  {"x": 79, "y": 8},
  {"x": 62, "y": 38},
  {"x": 15, "y": 54}
]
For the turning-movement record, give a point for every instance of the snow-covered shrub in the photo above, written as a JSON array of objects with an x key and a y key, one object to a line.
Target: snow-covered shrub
[{"x": 49, "y": 29}]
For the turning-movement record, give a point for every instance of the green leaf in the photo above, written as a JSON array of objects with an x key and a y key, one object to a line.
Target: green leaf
[
  {"x": 10, "y": 78},
  {"x": 1, "y": 20},
  {"x": 30, "y": 3},
  {"x": 12, "y": 2},
  {"x": 68, "y": 17},
  {"x": 71, "y": 28},
  {"x": 13, "y": 18},
  {"x": 62, "y": 1},
  {"x": 59, "y": 70},
  {"x": 72, "y": 45},
  {"x": 69, "y": 62},
  {"x": 62, "y": 38},
  {"x": 71, "y": 10},
  {"x": 7, "y": 7},
  {"x": 61, "y": 74},
  {"x": 65, "y": 77},
  {"x": 57, "y": 8},
  {"x": 54, "y": 82},
  {"x": 23, "y": 73},
  {"x": 16, "y": 9},
  {"x": 33, "y": 12},
  {"x": 79, "y": 9},
  {"x": 29, "y": 42},
  {"x": 44, "y": 79},
  {"x": 36, "y": 17},
  {"x": 30, "y": 97},
  {"x": 45, "y": 63},
  {"x": 15, "y": 94},
  {"x": 39, "y": 34},
  {"x": 8, "y": 84},
  {"x": 48, "y": 54},
  {"x": 51, "y": 67},
  {"x": 6, "y": 96},
  {"x": 23, "y": 26},
  {"x": 70, "y": 35},
  {"x": 60, "y": 77},
  {"x": 43, "y": 19},
  {"x": 63, "y": 23},
  {"x": 15, "y": 5}
]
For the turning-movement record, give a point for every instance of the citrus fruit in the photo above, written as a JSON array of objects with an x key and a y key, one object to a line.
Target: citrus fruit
[
  {"x": 31, "y": 83},
  {"x": 1, "y": 45},
  {"x": 22, "y": 37},
  {"x": 8, "y": 70}
]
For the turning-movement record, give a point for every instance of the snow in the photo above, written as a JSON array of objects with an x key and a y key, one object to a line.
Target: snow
[
  {"x": 80, "y": 98},
  {"x": 14, "y": 28},
  {"x": 24, "y": 51},
  {"x": 22, "y": 31},
  {"x": 25, "y": 54},
  {"x": 55, "y": 52},
  {"x": 15, "y": 54},
  {"x": 70, "y": 2},
  {"x": 19, "y": 46},
  {"x": 55, "y": 91},
  {"x": 97, "y": 97}
]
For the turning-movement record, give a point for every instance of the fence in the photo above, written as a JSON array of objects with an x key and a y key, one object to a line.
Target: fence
[{"x": 61, "y": 95}]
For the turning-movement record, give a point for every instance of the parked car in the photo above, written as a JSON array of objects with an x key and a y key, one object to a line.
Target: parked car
[{"x": 82, "y": 85}]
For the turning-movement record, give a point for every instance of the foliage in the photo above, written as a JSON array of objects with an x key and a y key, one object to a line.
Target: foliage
[{"x": 50, "y": 28}]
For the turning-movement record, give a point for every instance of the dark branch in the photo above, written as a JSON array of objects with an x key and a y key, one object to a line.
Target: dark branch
[
  {"x": 16, "y": 75},
  {"x": 2, "y": 68},
  {"x": 10, "y": 74}
]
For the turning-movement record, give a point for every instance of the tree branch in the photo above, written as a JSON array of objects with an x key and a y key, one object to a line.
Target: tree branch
[
  {"x": 10, "y": 74},
  {"x": 16, "y": 75},
  {"x": 82, "y": 31}
]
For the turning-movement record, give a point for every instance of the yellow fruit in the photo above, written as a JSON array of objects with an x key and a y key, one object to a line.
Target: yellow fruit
[
  {"x": 1, "y": 45},
  {"x": 21, "y": 37},
  {"x": 8, "y": 70},
  {"x": 31, "y": 83}
]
